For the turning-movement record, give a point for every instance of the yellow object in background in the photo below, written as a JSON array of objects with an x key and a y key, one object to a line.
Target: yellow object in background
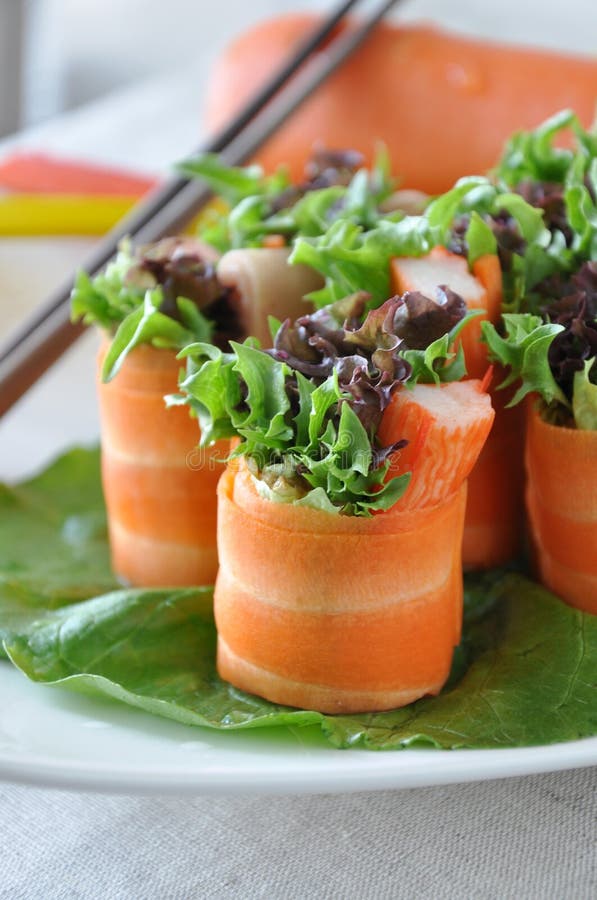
[
  {"x": 23, "y": 215},
  {"x": 61, "y": 214}
]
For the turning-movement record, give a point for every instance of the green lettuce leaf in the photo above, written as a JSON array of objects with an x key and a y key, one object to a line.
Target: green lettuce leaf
[
  {"x": 524, "y": 673},
  {"x": 470, "y": 193},
  {"x": 351, "y": 259},
  {"x": 260, "y": 205},
  {"x": 344, "y": 472},
  {"x": 211, "y": 389},
  {"x": 480, "y": 239},
  {"x": 233, "y": 183},
  {"x": 584, "y": 397},
  {"x": 53, "y": 540},
  {"x": 130, "y": 311},
  {"x": 524, "y": 350},
  {"x": 581, "y": 208},
  {"x": 534, "y": 154},
  {"x": 106, "y": 299},
  {"x": 333, "y": 452},
  {"x": 147, "y": 325},
  {"x": 529, "y": 219},
  {"x": 534, "y": 160}
]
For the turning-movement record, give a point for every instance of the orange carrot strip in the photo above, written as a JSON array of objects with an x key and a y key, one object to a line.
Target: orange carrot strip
[
  {"x": 561, "y": 497},
  {"x": 494, "y": 523},
  {"x": 488, "y": 271},
  {"x": 336, "y": 613},
  {"x": 159, "y": 488},
  {"x": 273, "y": 241}
]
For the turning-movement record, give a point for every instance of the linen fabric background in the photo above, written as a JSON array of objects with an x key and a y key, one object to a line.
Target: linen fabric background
[{"x": 519, "y": 839}]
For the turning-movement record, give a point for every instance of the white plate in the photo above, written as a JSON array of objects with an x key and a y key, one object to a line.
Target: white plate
[{"x": 53, "y": 738}]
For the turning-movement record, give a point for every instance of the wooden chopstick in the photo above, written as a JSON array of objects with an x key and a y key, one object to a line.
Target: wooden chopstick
[{"x": 50, "y": 332}]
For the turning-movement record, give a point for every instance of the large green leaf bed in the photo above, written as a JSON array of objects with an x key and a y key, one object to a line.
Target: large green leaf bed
[{"x": 525, "y": 672}]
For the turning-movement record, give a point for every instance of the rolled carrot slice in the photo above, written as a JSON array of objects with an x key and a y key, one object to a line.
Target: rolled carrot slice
[
  {"x": 335, "y": 613},
  {"x": 494, "y": 522},
  {"x": 493, "y": 526},
  {"x": 160, "y": 489},
  {"x": 561, "y": 498}
]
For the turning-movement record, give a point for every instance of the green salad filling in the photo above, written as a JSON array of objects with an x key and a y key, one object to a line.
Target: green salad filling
[
  {"x": 537, "y": 210},
  {"x": 168, "y": 294},
  {"x": 165, "y": 294},
  {"x": 336, "y": 187},
  {"x": 307, "y": 411},
  {"x": 548, "y": 337}
]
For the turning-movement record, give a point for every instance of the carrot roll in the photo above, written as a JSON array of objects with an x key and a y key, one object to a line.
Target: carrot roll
[
  {"x": 336, "y": 613},
  {"x": 340, "y": 516}
]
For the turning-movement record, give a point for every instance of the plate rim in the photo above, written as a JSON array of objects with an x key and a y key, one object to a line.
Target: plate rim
[
  {"x": 497, "y": 764},
  {"x": 323, "y": 769}
]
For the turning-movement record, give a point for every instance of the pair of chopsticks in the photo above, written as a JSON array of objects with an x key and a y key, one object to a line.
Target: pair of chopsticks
[{"x": 49, "y": 332}]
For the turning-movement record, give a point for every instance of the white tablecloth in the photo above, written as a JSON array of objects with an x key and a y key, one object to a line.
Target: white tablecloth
[
  {"x": 523, "y": 838},
  {"x": 520, "y": 839}
]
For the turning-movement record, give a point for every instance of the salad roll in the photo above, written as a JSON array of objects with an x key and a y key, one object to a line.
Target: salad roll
[
  {"x": 341, "y": 512},
  {"x": 552, "y": 360},
  {"x": 159, "y": 492}
]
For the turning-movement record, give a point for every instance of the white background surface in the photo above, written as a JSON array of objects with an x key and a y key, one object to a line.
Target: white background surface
[{"x": 523, "y": 838}]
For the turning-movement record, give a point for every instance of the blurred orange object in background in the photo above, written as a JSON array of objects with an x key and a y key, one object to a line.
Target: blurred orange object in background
[{"x": 442, "y": 103}]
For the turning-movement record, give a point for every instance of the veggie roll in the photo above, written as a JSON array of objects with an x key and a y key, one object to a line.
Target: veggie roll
[
  {"x": 335, "y": 613},
  {"x": 160, "y": 491},
  {"x": 498, "y": 241},
  {"x": 552, "y": 357},
  {"x": 335, "y": 590}
]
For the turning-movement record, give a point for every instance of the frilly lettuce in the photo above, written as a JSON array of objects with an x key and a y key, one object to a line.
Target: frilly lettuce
[
  {"x": 127, "y": 301},
  {"x": 534, "y": 154},
  {"x": 106, "y": 299},
  {"x": 352, "y": 259},
  {"x": 147, "y": 325},
  {"x": 308, "y": 410},
  {"x": 234, "y": 183},
  {"x": 319, "y": 443},
  {"x": 584, "y": 397},
  {"x": 523, "y": 350},
  {"x": 261, "y": 205}
]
